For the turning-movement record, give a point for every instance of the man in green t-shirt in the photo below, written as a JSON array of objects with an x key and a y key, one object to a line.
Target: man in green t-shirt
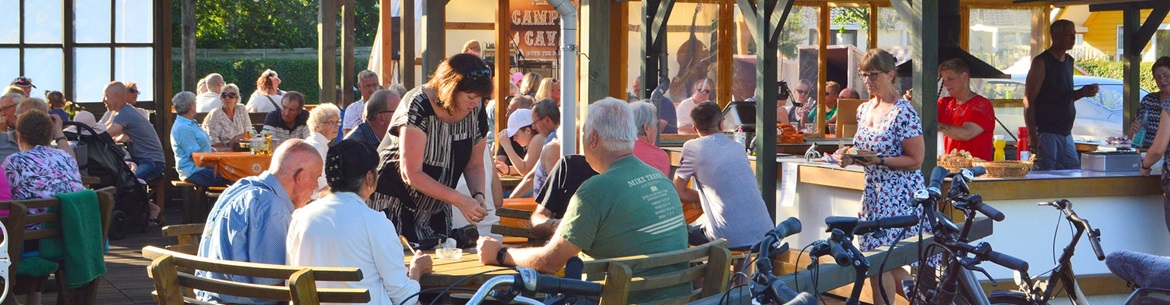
[{"x": 629, "y": 208}]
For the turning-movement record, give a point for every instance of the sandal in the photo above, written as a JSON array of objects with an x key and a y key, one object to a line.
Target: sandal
[{"x": 153, "y": 223}]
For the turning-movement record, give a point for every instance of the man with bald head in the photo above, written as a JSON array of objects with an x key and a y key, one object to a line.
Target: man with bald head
[
  {"x": 249, "y": 221},
  {"x": 8, "y": 103},
  {"x": 379, "y": 111},
  {"x": 210, "y": 99},
  {"x": 147, "y": 150}
]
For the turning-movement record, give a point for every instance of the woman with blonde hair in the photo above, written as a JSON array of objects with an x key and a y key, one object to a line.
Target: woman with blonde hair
[
  {"x": 228, "y": 123},
  {"x": 550, "y": 88},
  {"x": 267, "y": 96},
  {"x": 528, "y": 84}
]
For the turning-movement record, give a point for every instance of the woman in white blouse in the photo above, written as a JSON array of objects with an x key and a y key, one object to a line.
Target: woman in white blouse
[
  {"x": 267, "y": 96},
  {"x": 323, "y": 122},
  {"x": 227, "y": 124}
]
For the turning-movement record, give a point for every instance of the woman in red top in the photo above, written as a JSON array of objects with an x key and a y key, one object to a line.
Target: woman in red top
[{"x": 965, "y": 118}]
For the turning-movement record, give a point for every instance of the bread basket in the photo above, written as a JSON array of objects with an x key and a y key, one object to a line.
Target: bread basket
[
  {"x": 955, "y": 164},
  {"x": 1005, "y": 169}
]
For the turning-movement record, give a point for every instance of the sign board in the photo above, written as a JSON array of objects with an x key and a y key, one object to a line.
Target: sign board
[{"x": 536, "y": 28}]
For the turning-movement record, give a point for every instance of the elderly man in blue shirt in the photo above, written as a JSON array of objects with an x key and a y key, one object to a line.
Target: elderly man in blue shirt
[
  {"x": 187, "y": 138},
  {"x": 250, "y": 220}
]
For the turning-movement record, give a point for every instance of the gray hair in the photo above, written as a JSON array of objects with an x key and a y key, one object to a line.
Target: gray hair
[
  {"x": 183, "y": 102},
  {"x": 321, "y": 113},
  {"x": 366, "y": 74},
  {"x": 644, "y": 114},
  {"x": 32, "y": 103},
  {"x": 378, "y": 102},
  {"x": 398, "y": 89},
  {"x": 613, "y": 122},
  {"x": 234, "y": 87},
  {"x": 214, "y": 79},
  {"x": 547, "y": 108}
]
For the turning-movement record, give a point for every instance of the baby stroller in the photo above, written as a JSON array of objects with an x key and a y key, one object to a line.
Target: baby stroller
[{"x": 98, "y": 156}]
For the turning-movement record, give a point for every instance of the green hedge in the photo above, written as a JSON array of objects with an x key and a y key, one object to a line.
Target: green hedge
[
  {"x": 296, "y": 73},
  {"x": 1111, "y": 69}
]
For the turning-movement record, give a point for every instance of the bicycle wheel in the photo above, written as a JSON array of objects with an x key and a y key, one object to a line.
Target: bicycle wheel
[{"x": 1009, "y": 297}]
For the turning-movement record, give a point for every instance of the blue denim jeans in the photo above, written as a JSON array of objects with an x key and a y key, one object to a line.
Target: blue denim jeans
[
  {"x": 1057, "y": 152},
  {"x": 148, "y": 170},
  {"x": 206, "y": 177}
]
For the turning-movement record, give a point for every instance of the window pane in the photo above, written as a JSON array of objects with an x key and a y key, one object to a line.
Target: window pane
[
  {"x": 10, "y": 22},
  {"x": 43, "y": 22},
  {"x": 44, "y": 67},
  {"x": 93, "y": 73},
  {"x": 136, "y": 65},
  {"x": 1001, "y": 37},
  {"x": 93, "y": 26},
  {"x": 135, "y": 21},
  {"x": 9, "y": 68}
]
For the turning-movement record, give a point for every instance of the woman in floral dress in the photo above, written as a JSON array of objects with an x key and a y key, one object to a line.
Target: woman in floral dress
[{"x": 888, "y": 126}]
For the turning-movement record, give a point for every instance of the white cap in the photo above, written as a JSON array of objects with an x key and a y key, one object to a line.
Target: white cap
[{"x": 519, "y": 119}]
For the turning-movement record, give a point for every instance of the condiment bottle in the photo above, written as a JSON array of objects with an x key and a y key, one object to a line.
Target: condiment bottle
[
  {"x": 1022, "y": 145},
  {"x": 999, "y": 146}
]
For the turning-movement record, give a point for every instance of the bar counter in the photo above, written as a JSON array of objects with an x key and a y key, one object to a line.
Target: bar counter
[{"x": 1125, "y": 206}]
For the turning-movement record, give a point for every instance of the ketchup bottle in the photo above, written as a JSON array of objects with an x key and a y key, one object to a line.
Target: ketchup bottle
[{"x": 1022, "y": 152}]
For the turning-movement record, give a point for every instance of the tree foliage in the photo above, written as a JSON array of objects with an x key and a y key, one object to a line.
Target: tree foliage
[{"x": 267, "y": 24}]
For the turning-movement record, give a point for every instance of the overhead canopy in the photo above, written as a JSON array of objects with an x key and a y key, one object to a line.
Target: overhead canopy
[{"x": 978, "y": 68}]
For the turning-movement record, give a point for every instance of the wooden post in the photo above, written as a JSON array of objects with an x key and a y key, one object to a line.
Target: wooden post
[
  {"x": 347, "y": 73},
  {"x": 765, "y": 21},
  {"x": 619, "y": 31},
  {"x": 385, "y": 17},
  {"x": 327, "y": 51},
  {"x": 872, "y": 27},
  {"x": 408, "y": 42},
  {"x": 724, "y": 43},
  {"x": 922, "y": 18},
  {"x": 503, "y": 54},
  {"x": 1131, "y": 59},
  {"x": 595, "y": 73},
  {"x": 822, "y": 65},
  {"x": 964, "y": 27},
  {"x": 163, "y": 82},
  {"x": 434, "y": 36},
  {"x": 189, "y": 23}
]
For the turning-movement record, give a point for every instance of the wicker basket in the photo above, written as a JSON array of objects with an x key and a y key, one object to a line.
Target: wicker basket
[
  {"x": 954, "y": 164},
  {"x": 1006, "y": 169}
]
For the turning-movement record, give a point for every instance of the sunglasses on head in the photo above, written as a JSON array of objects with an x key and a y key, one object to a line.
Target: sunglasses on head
[
  {"x": 480, "y": 74},
  {"x": 228, "y": 95}
]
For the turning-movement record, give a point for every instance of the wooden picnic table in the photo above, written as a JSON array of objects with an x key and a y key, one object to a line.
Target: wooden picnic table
[
  {"x": 448, "y": 272},
  {"x": 509, "y": 182}
]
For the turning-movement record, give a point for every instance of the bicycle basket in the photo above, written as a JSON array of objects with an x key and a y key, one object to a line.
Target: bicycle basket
[{"x": 1149, "y": 296}]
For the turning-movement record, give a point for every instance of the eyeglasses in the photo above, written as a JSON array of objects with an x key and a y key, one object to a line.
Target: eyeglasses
[
  {"x": 480, "y": 74},
  {"x": 332, "y": 122},
  {"x": 385, "y": 111},
  {"x": 229, "y": 95},
  {"x": 869, "y": 75},
  {"x": 132, "y": 90},
  {"x": 802, "y": 91},
  {"x": 703, "y": 90}
]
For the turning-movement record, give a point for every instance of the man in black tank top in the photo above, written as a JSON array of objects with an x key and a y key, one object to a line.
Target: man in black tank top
[{"x": 1049, "y": 99}]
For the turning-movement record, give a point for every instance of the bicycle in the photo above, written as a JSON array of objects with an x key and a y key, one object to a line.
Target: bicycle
[
  {"x": 764, "y": 286},
  {"x": 840, "y": 246},
  {"x": 1040, "y": 291},
  {"x": 956, "y": 283},
  {"x": 527, "y": 282}
]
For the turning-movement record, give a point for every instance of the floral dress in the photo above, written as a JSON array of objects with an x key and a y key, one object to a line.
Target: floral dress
[
  {"x": 41, "y": 172},
  {"x": 888, "y": 192}
]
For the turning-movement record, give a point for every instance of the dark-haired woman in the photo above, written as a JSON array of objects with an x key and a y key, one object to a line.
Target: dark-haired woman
[
  {"x": 338, "y": 230},
  {"x": 437, "y": 136}
]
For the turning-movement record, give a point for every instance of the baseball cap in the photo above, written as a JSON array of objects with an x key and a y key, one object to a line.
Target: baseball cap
[
  {"x": 23, "y": 81},
  {"x": 519, "y": 119}
]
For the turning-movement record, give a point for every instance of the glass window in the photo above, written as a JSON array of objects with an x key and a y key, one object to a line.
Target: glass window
[
  {"x": 10, "y": 22},
  {"x": 92, "y": 73},
  {"x": 9, "y": 70},
  {"x": 1001, "y": 37},
  {"x": 43, "y": 21},
  {"x": 93, "y": 26},
  {"x": 135, "y": 21},
  {"x": 136, "y": 65},
  {"x": 44, "y": 67}
]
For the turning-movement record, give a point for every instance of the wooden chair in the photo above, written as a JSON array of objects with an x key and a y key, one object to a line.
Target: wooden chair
[
  {"x": 708, "y": 266},
  {"x": 188, "y": 237},
  {"x": 17, "y": 234},
  {"x": 196, "y": 209},
  {"x": 847, "y": 117},
  {"x": 174, "y": 280},
  {"x": 515, "y": 224}
]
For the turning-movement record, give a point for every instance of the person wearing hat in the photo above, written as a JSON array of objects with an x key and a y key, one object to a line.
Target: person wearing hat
[
  {"x": 25, "y": 84},
  {"x": 514, "y": 157},
  {"x": 338, "y": 230}
]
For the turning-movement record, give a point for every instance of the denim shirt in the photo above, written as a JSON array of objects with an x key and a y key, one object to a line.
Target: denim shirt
[
  {"x": 186, "y": 138},
  {"x": 248, "y": 224}
]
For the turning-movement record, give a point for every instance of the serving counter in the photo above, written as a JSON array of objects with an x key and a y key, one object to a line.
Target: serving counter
[{"x": 1126, "y": 207}]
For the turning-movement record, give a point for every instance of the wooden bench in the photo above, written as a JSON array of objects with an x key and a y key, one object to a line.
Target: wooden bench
[
  {"x": 174, "y": 280},
  {"x": 15, "y": 224},
  {"x": 188, "y": 237},
  {"x": 708, "y": 266}
]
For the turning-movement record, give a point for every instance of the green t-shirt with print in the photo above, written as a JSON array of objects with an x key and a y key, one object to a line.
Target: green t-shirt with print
[{"x": 630, "y": 209}]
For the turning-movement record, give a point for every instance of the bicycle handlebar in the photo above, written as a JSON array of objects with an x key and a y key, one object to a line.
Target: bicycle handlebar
[
  {"x": 983, "y": 252},
  {"x": 858, "y": 227},
  {"x": 786, "y": 228},
  {"x": 1094, "y": 234},
  {"x": 535, "y": 282},
  {"x": 976, "y": 202}
]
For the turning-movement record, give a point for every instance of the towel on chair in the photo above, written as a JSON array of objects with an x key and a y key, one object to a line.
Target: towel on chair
[
  {"x": 81, "y": 227},
  {"x": 1148, "y": 271}
]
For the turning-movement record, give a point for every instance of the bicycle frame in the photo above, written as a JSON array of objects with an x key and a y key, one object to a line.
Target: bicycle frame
[{"x": 1062, "y": 274}]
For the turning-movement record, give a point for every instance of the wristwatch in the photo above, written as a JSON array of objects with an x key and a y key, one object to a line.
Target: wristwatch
[{"x": 500, "y": 255}]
